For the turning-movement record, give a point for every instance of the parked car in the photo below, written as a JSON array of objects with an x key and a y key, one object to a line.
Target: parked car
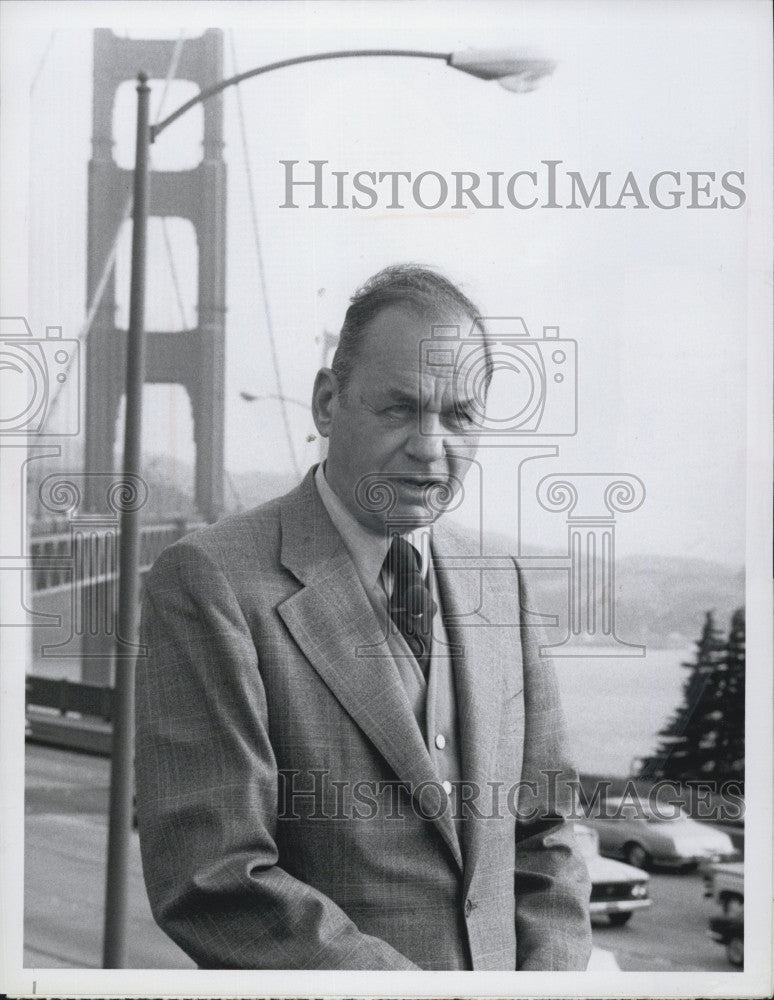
[
  {"x": 617, "y": 890},
  {"x": 725, "y": 884},
  {"x": 729, "y": 931},
  {"x": 643, "y": 837}
]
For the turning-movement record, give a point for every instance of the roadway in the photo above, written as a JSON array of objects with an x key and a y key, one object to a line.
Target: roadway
[
  {"x": 669, "y": 936},
  {"x": 66, "y": 802},
  {"x": 65, "y": 846}
]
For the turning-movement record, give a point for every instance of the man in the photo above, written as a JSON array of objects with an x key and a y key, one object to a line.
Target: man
[{"x": 347, "y": 744}]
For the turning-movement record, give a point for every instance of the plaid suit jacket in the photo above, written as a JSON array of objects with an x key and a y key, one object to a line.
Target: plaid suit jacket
[{"x": 289, "y": 812}]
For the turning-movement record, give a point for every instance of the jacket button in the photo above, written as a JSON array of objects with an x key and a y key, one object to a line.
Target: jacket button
[{"x": 468, "y": 907}]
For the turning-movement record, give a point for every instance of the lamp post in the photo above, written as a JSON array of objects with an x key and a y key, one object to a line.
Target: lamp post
[
  {"x": 248, "y": 397},
  {"x": 516, "y": 70}
]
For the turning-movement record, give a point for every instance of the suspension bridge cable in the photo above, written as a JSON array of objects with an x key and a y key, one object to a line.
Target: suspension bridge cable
[
  {"x": 164, "y": 226},
  {"x": 171, "y": 72},
  {"x": 96, "y": 301},
  {"x": 173, "y": 271},
  {"x": 110, "y": 260},
  {"x": 42, "y": 62},
  {"x": 233, "y": 487},
  {"x": 261, "y": 269}
]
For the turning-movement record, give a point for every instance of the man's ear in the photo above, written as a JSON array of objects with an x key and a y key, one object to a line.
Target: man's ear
[{"x": 325, "y": 400}]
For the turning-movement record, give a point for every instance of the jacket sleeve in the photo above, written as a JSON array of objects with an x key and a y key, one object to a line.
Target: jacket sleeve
[
  {"x": 552, "y": 885},
  {"x": 207, "y": 790}
]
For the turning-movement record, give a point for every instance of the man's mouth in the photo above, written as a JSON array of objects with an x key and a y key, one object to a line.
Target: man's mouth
[
  {"x": 426, "y": 486},
  {"x": 422, "y": 482}
]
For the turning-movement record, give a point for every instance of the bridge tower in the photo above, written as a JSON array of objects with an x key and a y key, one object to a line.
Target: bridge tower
[{"x": 194, "y": 358}]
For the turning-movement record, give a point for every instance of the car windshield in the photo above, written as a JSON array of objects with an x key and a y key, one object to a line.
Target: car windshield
[
  {"x": 587, "y": 840},
  {"x": 666, "y": 812}
]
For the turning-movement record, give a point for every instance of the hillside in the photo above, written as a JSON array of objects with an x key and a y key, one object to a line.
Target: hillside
[{"x": 660, "y": 600}]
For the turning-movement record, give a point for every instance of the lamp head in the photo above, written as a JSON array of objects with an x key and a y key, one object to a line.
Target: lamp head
[{"x": 518, "y": 70}]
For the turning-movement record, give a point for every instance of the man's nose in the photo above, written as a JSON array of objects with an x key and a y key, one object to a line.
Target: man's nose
[{"x": 426, "y": 441}]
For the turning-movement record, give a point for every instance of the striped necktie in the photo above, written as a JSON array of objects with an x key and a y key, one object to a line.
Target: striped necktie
[{"x": 411, "y": 604}]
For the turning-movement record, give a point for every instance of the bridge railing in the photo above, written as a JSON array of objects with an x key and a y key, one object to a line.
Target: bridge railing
[
  {"x": 66, "y": 696},
  {"x": 87, "y": 556}
]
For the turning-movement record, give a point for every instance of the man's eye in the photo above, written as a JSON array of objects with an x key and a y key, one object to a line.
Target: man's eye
[
  {"x": 461, "y": 418},
  {"x": 398, "y": 410}
]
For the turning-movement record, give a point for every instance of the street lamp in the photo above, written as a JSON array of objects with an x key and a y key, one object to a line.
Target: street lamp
[
  {"x": 516, "y": 70},
  {"x": 248, "y": 397}
]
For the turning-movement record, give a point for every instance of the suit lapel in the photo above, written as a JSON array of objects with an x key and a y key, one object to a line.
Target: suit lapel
[
  {"x": 334, "y": 624},
  {"x": 478, "y": 666}
]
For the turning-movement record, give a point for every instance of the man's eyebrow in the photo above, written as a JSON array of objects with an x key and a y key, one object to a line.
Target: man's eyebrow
[
  {"x": 388, "y": 397},
  {"x": 399, "y": 396},
  {"x": 395, "y": 394}
]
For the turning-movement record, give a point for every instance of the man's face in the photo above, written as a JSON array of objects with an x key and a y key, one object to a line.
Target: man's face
[{"x": 400, "y": 421}]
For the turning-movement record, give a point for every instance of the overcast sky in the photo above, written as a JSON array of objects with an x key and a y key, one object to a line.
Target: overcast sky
[{"x": 656, "y": 300}]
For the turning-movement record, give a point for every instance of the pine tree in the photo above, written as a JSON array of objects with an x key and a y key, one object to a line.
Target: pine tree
[
  {"x": 730, "y": 700},
  {"x": 688, "y": 741}
]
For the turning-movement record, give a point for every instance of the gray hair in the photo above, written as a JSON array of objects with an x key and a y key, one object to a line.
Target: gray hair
[{"x": 426, "y": 290}]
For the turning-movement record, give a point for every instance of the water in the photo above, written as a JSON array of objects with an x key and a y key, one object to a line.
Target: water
[{"x": 615, "y": 707}]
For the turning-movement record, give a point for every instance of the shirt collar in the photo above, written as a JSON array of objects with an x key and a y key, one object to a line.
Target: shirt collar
[{"x": 368, "y": 549}]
